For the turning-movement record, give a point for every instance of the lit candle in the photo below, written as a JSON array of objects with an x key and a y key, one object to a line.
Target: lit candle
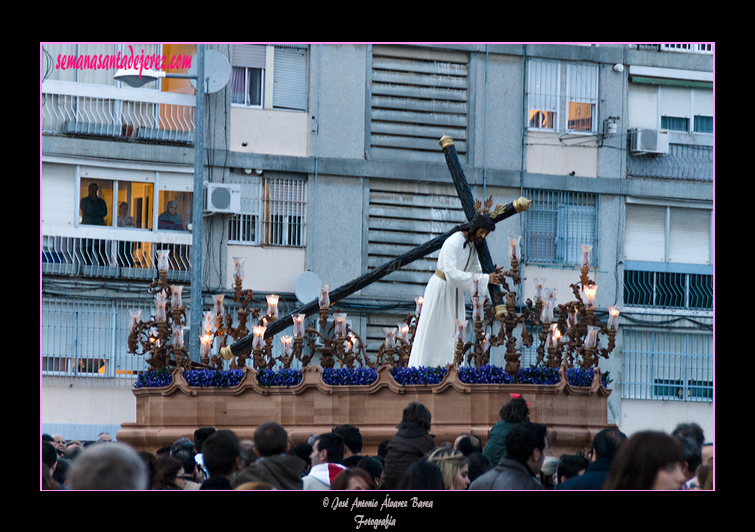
[
  {"x": 462, "y": 330},
  {"x": 162, "y": 260},
  {"x": 324, "y": 300},
  {"x": 573, "y": 318},
  {"x": 217, "y": 303},
  {"x": 590, "y": 291},
  {"x": 238, "y": 268},
  {"x": 175, "y": 298},
  {"x": 514, "y": 250},
  {"x": 388, "y": 338},
  {"x": 298, "y": 324},
  {"x": 259, "y": 336},
  {"x": 178, "y": 336},
  {"x": 133, "y": 319},
  {"x": 546, "y": 315},
  {"x": 539, "y": 289},
  {"x": 205, "y": 344},
  {"x": 478, "y": 312},
  {"x": 553, "y": 336},
  {"x": 585, "y": 249},
  {"x": 272, "y": 306},
  {"x": 592, "y": 336},
  {"x": 287, "y": 345},
  {"x": 403, "y": 331},
  {"x": 160, "y": 300},
  {"x": 477, "y": 284},
  {"x": 340, "y": 320},
  {"x": 418, "y": 301},
  {"x": 209, "y": 321},
  {"x": 613, "y": 318}
]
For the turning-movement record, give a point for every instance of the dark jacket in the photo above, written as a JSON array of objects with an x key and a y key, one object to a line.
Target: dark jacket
[
  {"x": 592, "y": 479},
  {"x": 409, "y": 444},
  {"x": 507, "y": 475},
  {"x": 495, "y": 447},
  {"x": 216, "y": 483},
  {"x": 283, "y": 472}
]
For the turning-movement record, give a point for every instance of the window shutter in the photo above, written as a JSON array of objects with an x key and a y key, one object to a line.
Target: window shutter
[
  {"x": 290, "y": 78},
  {"x": 248, "y": 55},
  {"x": 675, "y": 102},
  {"x": 57, "y": 194},
  {"x": 645, "y": 233},
  {"x": 703, "y": 102},
  {"x": 689, "y": 239}
]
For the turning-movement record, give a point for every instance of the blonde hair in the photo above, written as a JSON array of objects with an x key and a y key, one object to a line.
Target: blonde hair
[{"x": 449, "y": 461}]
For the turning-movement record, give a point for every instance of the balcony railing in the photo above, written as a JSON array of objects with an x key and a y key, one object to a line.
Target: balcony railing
[
  {"x": 113, "y": 253},
  {"x": 103, "y": 110}
]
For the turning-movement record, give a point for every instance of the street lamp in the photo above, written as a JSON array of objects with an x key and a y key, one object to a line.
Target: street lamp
[{"x": 137, "y": 78}]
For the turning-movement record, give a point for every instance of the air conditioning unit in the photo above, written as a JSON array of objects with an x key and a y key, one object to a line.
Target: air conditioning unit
[
  {"x": 648, "y": 141},
  {"x": 222, "y": 198}
]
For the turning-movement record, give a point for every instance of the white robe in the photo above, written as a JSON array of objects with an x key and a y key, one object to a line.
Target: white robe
[{"x": 444, "y": 303}]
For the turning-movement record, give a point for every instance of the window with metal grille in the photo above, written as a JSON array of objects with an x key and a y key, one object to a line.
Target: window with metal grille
[
  {"x": 273, "y": 211},
  {"x": 665, "y": 365},
  {"x": 557, "y": 89},
  {"x": 556, "y": 225}
]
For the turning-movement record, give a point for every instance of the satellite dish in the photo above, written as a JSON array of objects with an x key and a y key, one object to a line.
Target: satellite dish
[
  {"x": 217, "y": 71},
  {"x": 305, "y": 287}
]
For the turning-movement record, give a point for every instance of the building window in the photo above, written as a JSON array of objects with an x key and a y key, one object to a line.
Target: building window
[
  {"x": 556, "y": 90},
  {"x": 689, "y": 110},
  {"x": 557, "y": 223},
  {"x": 255, "y": 65},
  {"x": 273, "y": 211},
  {"x": 668, "y": 366}
]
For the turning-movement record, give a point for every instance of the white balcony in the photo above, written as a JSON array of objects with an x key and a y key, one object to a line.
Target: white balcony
[{"x": 127, "y": 113}]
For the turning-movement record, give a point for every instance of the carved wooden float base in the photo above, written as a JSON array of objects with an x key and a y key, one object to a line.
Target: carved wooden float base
[{"x": 163, "y": 415}]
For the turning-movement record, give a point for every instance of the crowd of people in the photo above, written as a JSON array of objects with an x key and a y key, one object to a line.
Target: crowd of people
[{"x": 515, "y": 456}]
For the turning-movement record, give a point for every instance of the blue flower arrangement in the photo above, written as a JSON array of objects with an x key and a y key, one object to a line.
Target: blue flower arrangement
[
  {"x": 484, "y": 375},
  {"x": 283, "y": 377},
  {"x": 154, "y": 379},
  {"x": 213, "y": 378},
  {"x": 347, "y": 376},
  {"x": 420, "y": 375},
  {"x": 537, "y": 375}
]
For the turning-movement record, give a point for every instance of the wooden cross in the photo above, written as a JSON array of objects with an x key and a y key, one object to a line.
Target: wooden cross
[{"x": 467, "y": 202}]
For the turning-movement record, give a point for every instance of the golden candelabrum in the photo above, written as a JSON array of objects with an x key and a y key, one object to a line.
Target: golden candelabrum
[
  {"x": 161, "y": 336},
  {"x": 568, "y": 333}
]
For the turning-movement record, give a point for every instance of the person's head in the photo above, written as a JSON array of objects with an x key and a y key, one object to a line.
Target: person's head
[
  {"x": 692, "y": 431},
  {"x": 188, "y": 462},
  {"x": 59, "y": 442},
  {"x": 182, "y": 444},
  {"x": 548, "y": 476},
  {"x": 477, "y": 464},
  {"x": 49, "y": 455},
  {"x": 515, "y": 410},
  {"x": 270, "y": 439},
  {"x": 417, "y": 413},
  {"x": 571, "y": 465},
  {"x": 373, "y": 467},
  {"x": 169, "y": 473},
  {"x": 649, "y": 460},
  {"x": 172, "y": 207},
  {"x": 93, "y": 188},
  {"x": 692, "y": 456},
  {"x": 222, "y": 454},
  {"x": 453, "y": 466},
  {"x": 606, "y": 443},
  {"x": 352, "y": 439},
  {"x": 104, "y": 437},
  {"x": 303, "y": 451},
  {"x": 108, "y": 467},
  {"x": 200, "y": 435},
  {"x": 477, "y": 229},
  {"x": 328, "y": 448},
  {"x": 467, "y": 443},
  {"x": 353, "y": 478},
  {"x": 122, "y": 208},
  {"x": 527, "y": 444},
  {"x": 706, "y": 453},
  {"x": 422, "y": 475}
]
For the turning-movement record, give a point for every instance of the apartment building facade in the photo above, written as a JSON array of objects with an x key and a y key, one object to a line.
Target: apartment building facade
[{"x": 329, "y": 155}]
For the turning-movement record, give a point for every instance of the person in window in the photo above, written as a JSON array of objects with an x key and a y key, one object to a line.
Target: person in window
[
  {"x": 93, "y": 208},
  {"x": 124, "y": 219},
  {"x": 170, "y": 218}
]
